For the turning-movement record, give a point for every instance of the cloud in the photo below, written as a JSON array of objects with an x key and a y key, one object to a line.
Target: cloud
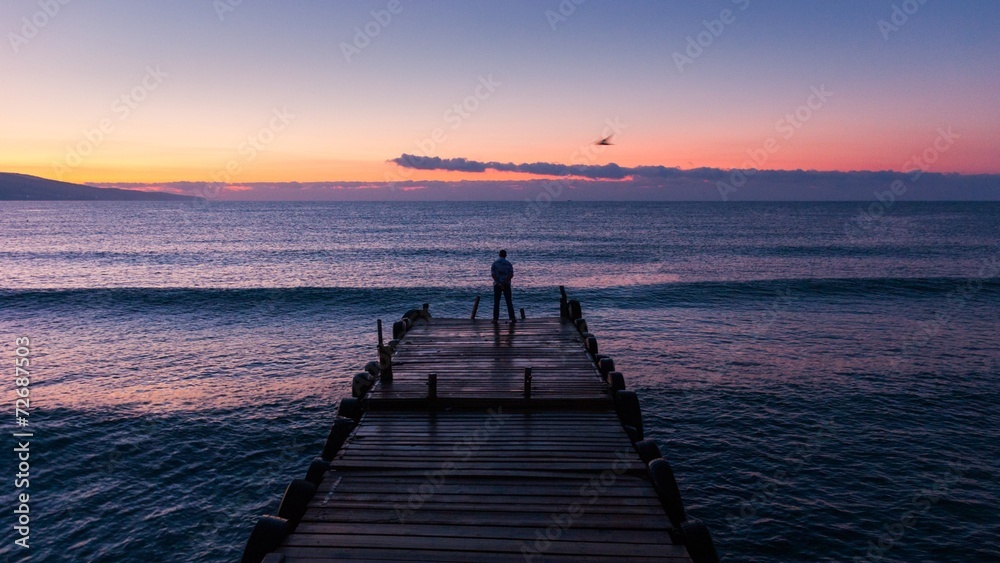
[
  {"x": 592, "y": 171},
  {"x": 671, "y": 183},
  {"x": 436, "y": 163},
  {"x": 645, "y": 183}
]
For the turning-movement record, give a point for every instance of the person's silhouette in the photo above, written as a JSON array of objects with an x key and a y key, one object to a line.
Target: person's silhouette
[{"x": 502, "y": 271}]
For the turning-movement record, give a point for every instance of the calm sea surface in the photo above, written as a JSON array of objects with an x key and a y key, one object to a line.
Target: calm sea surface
[{"x": 826, "y": 388}]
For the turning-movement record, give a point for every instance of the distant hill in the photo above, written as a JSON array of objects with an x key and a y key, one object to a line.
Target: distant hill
[{"x": 22, "y": 187}]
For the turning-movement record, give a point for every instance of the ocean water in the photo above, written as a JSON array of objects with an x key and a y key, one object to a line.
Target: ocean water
[{"x": 824, "y": 383}]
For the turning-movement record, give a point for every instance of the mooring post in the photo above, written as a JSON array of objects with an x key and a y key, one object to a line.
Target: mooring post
[
  {"x": 385, "y": 365},
  {"x": 563, "y": 303},
  {"x": 574, "y": 310},
  {"x": 427, "y": 307},
  {"x": 432, "y": 387},
  {"x": 522, "y": 313},
  {"x": 475, "y": 307},
  {"x": 384, "y": 358},
  {"x": 527, "y": 383}
]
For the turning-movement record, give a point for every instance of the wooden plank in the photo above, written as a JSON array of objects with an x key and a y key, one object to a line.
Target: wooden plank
[
  {"x": 607, "y": 536},
  {"x": 623, "y": 523},
  {"x": 326, "y": 554},
  {"x": 479, "y": 545}
]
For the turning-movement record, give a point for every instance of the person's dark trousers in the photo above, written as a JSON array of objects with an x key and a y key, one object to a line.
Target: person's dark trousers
[{"x": 505, "y": 289}]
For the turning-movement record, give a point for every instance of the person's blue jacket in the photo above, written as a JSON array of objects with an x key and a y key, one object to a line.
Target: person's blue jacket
[{"x": 502, "y": 271}]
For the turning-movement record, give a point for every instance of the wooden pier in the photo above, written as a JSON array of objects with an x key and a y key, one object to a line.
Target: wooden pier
[{"x": 474, "y": 441}]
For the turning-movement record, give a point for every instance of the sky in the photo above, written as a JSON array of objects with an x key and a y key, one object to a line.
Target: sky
[{"x": 255, "y": 94}]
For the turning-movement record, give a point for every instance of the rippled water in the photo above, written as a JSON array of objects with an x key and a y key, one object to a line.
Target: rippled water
[{"x": 823, "y": 393}]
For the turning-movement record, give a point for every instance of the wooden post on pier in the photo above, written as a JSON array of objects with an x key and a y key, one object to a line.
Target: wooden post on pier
[
  {"x": 563, "y": 303},
  {"x": 527, "y": 383},
  {"x": 384, "y": 358},
  {"x": 432, "y": 387},
  {"x": 475, "y": 307}
]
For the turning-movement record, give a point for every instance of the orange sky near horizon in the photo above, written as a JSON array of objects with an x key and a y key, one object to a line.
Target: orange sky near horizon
[{"x": 283, "y": 163}]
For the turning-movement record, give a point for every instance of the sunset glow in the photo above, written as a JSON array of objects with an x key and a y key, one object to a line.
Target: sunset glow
[{"x": 116, "y": 92}]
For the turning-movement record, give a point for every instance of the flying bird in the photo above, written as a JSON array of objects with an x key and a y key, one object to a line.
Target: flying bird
[{"x": 605, "y": 141}]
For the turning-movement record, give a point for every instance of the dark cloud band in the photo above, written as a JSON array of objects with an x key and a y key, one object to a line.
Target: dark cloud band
[{"x": 594, "y": 172}]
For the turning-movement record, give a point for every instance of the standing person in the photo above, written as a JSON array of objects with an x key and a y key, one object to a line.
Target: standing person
[{"x": 502, "y": 271}]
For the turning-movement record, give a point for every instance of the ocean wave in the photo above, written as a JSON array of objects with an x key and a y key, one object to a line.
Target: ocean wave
[
  {"x": 628, "y": 295},
  {"x": 144, "y": 298},
  {"x": 719, "y": 292}
]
